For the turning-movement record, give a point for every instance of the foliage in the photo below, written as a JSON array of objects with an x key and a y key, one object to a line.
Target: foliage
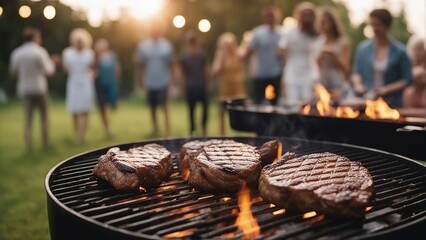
[{"x": 237, "y": 16}]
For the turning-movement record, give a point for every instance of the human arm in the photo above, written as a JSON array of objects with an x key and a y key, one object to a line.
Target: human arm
[
  {"x": 356, "y": 78},
  {"x": 47, "y": 64},
  {"x": 12, "y": 65},
  {"x": 140, "y": 74},
  {"x": 217, "y": 63}
]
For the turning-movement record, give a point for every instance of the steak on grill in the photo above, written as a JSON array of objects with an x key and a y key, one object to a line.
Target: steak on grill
[
  {"x": 190, "y": 149},
  {"x": 145, "y": 166},
  {"x": 323, "y": 182},
  {"x": 225, "y": 167},
  {"x": 268, "y": 151}
]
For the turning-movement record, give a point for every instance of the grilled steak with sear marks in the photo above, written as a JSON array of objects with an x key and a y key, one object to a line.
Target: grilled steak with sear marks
[
  {"x": 145, "y": 166},
  {"x": 190, "y": 149},
  {"x": 225, "y": 167},
  {"x": 323, "y": 182},
  {"x": 268, "y": 151}
]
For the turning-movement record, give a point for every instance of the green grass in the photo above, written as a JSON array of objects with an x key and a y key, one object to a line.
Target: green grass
[{"x": 23, "y": 213}]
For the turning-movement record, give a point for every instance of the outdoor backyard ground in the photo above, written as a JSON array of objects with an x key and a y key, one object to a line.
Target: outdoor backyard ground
[{"x": 23, "y": 213}]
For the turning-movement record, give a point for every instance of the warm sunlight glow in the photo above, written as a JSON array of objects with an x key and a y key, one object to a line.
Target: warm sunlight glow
[
  {"x": 204, "y": 25},
  {"x": 143, "y": 9},
  {"x": 95, "y": 17},
  {"x": 289, "y": 23},
  {"x": 368, "y": 31},
  {"x": 309, "y": 214},
  {"x": 270, "y": 92},
  {"x": 49, "y": 12},
  {"x": 379, "y": 109},
  {"x": 24, "y": 11},
  {"x": 245, "y": 220},
  {"x": 179, "y": 21}
]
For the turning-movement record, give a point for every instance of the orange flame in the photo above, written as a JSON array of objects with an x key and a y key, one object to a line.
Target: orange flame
[
  {"x": 281, "y": 211},
  {"x": 368, "y": 208},
  {"x": 185, "y": 173},
  {"x": 245, "y": 220},
  {"x": 224, "y": 199},
  {"x": 309, "y": 214},
  {"x": 279, "y": 152},
  {"x": 306, "y": 109},
  {"x": 270, "y": 92},
  {"x": 323, "y": 105},
  {"x": 167, "y": 187},
  {"x": 346, "y": 112},
  {"x": 379, "y": 109},
  {"x": 180, "y": 234}
]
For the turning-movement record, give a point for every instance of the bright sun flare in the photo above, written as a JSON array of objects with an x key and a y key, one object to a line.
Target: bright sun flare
[{"x": 97, "y": 10}]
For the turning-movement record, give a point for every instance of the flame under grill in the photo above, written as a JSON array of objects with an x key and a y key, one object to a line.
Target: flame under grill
[{"x": 175, "y": 209}]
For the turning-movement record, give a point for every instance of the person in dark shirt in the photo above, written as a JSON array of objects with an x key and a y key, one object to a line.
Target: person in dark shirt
[{"x": 196, "y": 74}]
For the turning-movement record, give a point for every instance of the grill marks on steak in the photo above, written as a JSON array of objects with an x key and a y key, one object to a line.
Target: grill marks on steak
[
  {"x": 322, "y": 182},
  {"x": 225, "y": 167},
  {"x": 145, "y": 166},
  {"x": 190, "y": 149}
]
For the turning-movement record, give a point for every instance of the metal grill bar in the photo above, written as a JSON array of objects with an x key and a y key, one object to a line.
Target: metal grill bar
[{"x": 175, "y": 207}]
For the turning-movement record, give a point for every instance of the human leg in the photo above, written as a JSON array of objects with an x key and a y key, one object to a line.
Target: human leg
[
  {"x": 191, "y": 101},
  {"x": 43, "y": 105},
  {"x": 28, "y": 112},
  {"x": 104, "y": 114},
  {"x": 205, "y": 112}
]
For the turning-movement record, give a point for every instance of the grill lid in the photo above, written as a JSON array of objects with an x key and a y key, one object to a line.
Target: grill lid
[{"x": 81, "y": 206}]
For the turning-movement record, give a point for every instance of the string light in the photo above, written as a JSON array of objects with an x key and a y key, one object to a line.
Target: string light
[
  {"x": 179, "y": 21},
  {"x": 49, "y": 12},
  {"x": 204, "y": 25},
  {"x": 24, "y": 11}
]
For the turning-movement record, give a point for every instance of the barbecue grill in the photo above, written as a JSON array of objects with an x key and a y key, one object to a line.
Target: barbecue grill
[
  {"x": 388, "y": 135},
  {"x": 83, "y": 207}
]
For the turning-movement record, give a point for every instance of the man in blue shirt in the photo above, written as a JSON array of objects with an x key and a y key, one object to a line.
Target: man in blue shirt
[
  {"x": 155, "y": 60},
  {"x": 268, "y": 60},
  {"x": 381, "y": 66}
]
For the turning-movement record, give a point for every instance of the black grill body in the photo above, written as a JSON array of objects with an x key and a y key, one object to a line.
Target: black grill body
[
  {"x": 82, "y": 207},
  {"x": 379, "y": 134}
]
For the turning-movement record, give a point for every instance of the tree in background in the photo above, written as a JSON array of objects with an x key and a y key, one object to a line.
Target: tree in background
[{"x": 237, "y": 16}]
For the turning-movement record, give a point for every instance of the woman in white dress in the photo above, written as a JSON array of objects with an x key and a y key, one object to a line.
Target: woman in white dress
[
  {"x": 78, "y": 61},
  {"x": 297, "y": 46},
  {"x": 332, "y": 54}
]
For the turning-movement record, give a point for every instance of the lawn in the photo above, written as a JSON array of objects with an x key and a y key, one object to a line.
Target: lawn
[{"x": 23, "y": 213}]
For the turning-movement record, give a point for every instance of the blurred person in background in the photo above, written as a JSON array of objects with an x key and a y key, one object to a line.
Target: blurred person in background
[
  {"x": 297, "y": 46},
  {"x": 195, "y": 69},
  {"x": 78, "y": 61},
  {"x": 332, "y": 54},
  {"x": 228, "y": 66},
  {"x": 155, "y": 66},
  {"x": 31, "y": 63},
  {"x": 264, "y": 44},
  {"x": 414, "y": 96},
  {"x": 381, "y": 66},
  {"x": 108, "y": 73}
]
